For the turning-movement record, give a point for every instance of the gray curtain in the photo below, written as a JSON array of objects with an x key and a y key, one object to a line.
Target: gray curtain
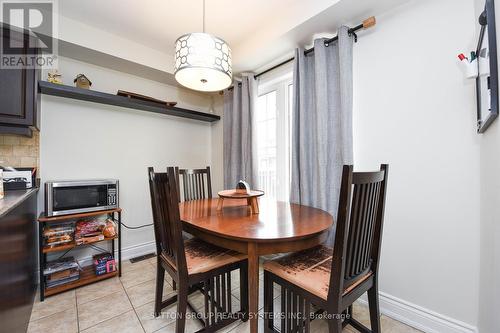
[
  {"x": 322, "y": 123},
  {"x": 240, "y": 162}
]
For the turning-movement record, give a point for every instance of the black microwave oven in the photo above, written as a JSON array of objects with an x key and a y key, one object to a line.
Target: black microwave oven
[{"x": 80, "y": 196}]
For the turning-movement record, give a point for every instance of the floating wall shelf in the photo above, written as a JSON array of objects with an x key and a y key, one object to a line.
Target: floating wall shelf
[{"x": 53, "y": 89}]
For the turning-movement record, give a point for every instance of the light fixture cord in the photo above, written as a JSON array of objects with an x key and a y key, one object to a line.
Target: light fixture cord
[{"x": 203, "y": 16}]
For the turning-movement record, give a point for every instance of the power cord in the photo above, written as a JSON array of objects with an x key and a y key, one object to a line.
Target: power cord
[
  {"x": 133, "y": 228},
  {"x": 138, "y": 227}
]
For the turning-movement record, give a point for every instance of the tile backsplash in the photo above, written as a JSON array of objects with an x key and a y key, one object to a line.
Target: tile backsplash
[{"x": 20, "y": 151}]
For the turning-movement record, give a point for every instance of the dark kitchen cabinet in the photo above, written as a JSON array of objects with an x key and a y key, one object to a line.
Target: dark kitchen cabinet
[{"x": 19, "y": 98}]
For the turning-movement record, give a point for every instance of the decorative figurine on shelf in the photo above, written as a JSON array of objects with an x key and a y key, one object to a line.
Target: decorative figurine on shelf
[
  {"x": 54, "y": 77},
  {"x": 82, "y": 81}
]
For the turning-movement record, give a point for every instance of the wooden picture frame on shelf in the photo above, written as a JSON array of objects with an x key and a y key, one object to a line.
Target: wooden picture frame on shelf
[{"x": 487, "y": 80}]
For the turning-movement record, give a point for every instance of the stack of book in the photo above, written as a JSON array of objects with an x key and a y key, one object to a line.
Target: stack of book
[{"x": 61, "y": 271}]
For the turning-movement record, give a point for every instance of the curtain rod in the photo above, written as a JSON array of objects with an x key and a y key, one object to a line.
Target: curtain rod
[{"x": 368, "y": 23}]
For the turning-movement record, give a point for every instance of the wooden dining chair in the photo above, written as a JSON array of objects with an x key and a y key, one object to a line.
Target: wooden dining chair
[
  {"x": 192, "y": 264},
  {"x": 332, "y": 279},
  {"x": 196, "y": 183}
]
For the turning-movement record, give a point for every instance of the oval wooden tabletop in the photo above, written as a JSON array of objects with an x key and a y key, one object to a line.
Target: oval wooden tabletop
[{"x": 276, "y": 221}]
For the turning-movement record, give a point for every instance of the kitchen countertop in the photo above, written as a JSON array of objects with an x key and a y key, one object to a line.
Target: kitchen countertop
[{"x": 13, "y": 198}]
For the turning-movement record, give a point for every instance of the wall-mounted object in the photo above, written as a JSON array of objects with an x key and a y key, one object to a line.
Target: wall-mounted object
[
  {"x": 472, "y": 70},
  {"x": 469, "y": 65},
  {"x": 81, "y": 81},
  {"x": 487, "y": 80}
]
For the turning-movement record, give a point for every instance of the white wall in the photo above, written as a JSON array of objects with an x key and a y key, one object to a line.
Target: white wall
[
  {"x": 82, "y": 140},
  {"x": 414, "y": 110},
  {"x": 489, "y": 296},
  {"x": 85, "y": 35},
  {"x": 489, "y": 319}
]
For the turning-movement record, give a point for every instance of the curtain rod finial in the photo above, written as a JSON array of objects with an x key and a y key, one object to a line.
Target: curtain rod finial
[{"x": 369, "y": 22}]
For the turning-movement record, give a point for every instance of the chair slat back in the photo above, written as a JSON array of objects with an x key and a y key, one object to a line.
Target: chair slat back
[
  {"x": 166, "y": 218},
  {"x": 196, "y": 183},
  {"x": 365, "y": 200},
  {"x": 359, "y": 226}
]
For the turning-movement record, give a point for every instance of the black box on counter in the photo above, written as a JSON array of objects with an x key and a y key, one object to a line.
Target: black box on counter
[{"x": 19, "y": 178}]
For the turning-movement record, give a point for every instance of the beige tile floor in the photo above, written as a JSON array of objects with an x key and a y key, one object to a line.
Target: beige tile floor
[{"x": 125, "y": 305}]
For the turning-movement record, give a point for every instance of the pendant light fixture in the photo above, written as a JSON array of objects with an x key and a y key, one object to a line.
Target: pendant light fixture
[{"x": 202, "y": 61}]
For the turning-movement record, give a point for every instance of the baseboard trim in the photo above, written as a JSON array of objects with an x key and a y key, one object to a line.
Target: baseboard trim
[
  {"x": 418, "y": 317},
  {"x": 138, "y": 250}
]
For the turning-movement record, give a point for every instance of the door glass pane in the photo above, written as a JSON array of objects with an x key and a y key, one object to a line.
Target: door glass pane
[
  {"x": 288, "y": 159},
  {"x": 266, "y": 142}
]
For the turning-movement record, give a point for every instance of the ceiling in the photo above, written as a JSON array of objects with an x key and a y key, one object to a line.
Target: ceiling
[{"x": 258, "y": 31}]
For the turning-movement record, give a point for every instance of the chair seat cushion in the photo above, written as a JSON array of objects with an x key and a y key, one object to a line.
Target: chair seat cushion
[
  {"x": 309, "y": 269},
  {"x": 202, "y": 257}
]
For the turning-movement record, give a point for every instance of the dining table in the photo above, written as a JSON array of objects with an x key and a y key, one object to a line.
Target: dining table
[{"x": 279, "y": 227}]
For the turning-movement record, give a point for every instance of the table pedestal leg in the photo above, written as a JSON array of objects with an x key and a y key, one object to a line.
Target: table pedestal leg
[{"x": 253, "y": 286}]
